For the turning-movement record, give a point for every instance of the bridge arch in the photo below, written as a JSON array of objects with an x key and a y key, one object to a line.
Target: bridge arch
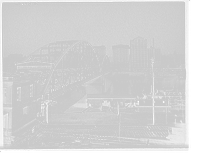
[{"x": 83, "y": 48}]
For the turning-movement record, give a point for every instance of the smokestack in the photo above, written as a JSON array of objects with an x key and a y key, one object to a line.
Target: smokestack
[{"x": 153, "y": 42}]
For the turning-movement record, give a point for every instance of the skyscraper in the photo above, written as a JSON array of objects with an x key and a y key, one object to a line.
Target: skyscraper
[
  {"x": 139, "y": 53},
  {"x": 121, "y": 56}
]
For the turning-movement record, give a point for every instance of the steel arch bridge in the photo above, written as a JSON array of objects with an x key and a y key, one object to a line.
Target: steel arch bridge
[{"x": 64, "y": 64}]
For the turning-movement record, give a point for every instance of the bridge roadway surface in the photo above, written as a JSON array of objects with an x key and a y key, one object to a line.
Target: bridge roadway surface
[{"x": 54, "y": 132}]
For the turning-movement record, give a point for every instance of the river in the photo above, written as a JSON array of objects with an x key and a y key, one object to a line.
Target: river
[{"x": 75, "y": 99}]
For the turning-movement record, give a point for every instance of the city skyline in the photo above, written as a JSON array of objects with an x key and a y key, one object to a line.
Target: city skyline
[{"x": 29, "y": 26}]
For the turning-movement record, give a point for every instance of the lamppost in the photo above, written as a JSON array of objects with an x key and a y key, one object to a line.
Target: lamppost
[
  {"x": 153, "y": 97},
  {"x": 166, "y": 106},
  {"x": 119, "y": 115}
]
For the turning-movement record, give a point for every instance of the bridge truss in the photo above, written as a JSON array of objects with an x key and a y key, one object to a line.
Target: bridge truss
[{"x": 73, "y": 61}]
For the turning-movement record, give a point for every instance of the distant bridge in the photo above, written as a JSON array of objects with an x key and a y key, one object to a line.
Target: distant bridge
[{"x": 60, "y": 65}]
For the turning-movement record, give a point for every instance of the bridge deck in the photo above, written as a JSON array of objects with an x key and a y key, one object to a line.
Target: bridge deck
[{"x": 76, "y": 84}]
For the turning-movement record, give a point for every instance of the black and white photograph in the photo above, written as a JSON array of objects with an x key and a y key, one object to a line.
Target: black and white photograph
[{"x": 94, "y": 75}]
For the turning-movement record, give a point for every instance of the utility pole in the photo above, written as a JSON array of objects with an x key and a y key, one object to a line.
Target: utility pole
[
  {"x": 47, "y": 113},
  {"x": 118, "y": 118},
  {"x": 153, "y": 97},
  {"x": 166, "y": 106},
  {"x": 62, "y": 71}
]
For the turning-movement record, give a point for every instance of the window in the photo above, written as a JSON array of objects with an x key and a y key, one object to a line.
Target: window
[
  {"x": 31, "y": 90},
  {"x": 4, "y": 95},
  {"x": 18, "y": 93},
  {"x": 25, "y": 110}
]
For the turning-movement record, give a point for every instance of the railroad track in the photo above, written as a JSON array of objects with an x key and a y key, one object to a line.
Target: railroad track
[{"x": 105, "y": 132}]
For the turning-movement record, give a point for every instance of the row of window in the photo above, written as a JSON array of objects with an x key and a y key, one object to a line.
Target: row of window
[{"x": 19, "y": 92}]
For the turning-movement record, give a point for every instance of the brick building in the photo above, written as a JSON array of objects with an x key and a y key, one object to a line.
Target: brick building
[{"x": 21, "y": 104}]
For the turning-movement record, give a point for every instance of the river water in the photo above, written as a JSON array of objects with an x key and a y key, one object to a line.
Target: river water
[{"x": 75, "y": 100}]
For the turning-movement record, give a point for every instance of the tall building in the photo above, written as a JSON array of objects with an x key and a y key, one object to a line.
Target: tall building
[
  {"x": 139, "y": 53},
  {"x": 121, "y": 56}
]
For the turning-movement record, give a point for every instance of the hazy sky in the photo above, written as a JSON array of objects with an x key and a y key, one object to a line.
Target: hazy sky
[{"x": 28, "y": 26}]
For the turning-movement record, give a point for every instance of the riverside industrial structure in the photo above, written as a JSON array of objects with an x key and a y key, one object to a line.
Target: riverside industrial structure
[{"x": 63, "y": 67}]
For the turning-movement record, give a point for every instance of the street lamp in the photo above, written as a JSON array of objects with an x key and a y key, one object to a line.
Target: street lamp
[
  {"x": 153, "y": 97},
  {"x": 166, "y": 106}
]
